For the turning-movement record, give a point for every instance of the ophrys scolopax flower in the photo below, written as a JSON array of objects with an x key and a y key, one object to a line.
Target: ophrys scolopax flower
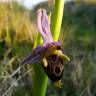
[{"x": 50, "y": 53}]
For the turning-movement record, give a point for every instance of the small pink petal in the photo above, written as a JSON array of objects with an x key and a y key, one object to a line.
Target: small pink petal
[{"x": 44, "y": 26}]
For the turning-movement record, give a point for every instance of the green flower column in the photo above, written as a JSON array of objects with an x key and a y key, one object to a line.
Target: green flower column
[{"x": 40, "y": 79}]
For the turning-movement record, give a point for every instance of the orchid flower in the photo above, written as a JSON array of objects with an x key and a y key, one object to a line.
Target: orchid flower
[{"x": 49, "y": 54}]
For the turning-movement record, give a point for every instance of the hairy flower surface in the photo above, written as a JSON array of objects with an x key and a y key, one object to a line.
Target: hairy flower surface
[{"x": 50, "y": 54}]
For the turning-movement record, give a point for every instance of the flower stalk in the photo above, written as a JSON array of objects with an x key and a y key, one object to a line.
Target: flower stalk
[
  {"x": 57, "y": 19},
  {"x": 40, "y": 79}
]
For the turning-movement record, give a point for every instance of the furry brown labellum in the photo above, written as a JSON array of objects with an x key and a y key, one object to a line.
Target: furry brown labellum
[
  {"x": 55, "y": 67},
  {"x": 53, "y": 63}
]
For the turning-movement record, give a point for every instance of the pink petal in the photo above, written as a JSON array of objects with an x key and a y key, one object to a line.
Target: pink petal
[{"x": 44, "y": 26}]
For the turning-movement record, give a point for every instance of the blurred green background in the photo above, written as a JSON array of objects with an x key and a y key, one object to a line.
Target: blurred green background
[{"x": 18, "y": 32}]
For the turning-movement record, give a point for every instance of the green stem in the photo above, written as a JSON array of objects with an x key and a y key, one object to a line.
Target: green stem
[
  {"x": 57, "y": 19},
  {"x": 40, "y": 79}
]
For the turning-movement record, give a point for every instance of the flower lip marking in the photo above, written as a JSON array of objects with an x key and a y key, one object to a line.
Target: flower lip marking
[
  {"x": 50, "y": 54},
  {"x": 55, "y": 66}
]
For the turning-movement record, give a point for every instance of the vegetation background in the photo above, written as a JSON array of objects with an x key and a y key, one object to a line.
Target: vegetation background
[{"x": 18, "y": 32}]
